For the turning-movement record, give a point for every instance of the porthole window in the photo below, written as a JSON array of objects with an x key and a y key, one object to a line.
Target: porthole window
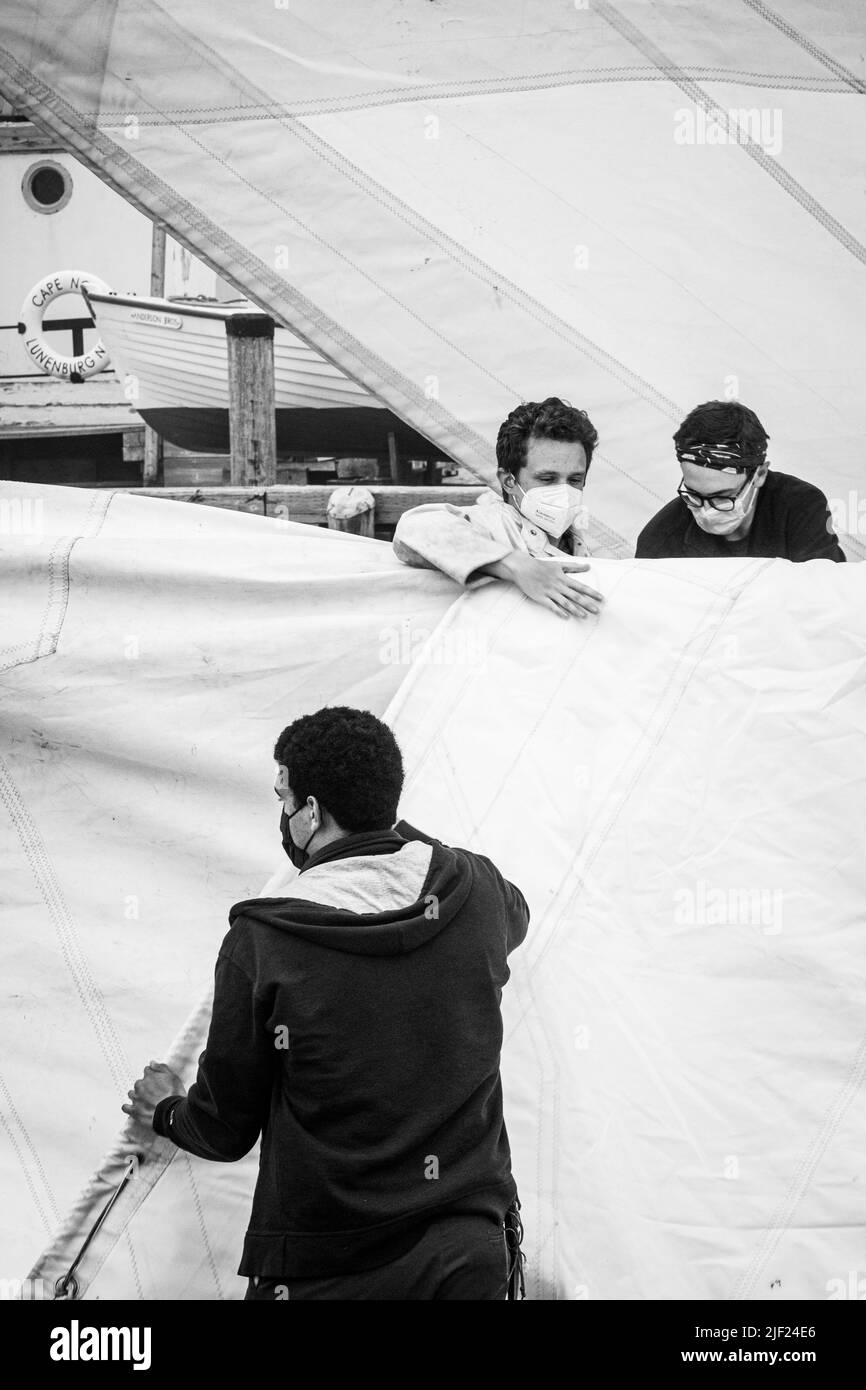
[{"x": 47, "y": 186}]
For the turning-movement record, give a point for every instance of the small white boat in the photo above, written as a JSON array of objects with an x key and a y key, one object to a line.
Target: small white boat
[{"x": 173, "y": 356}]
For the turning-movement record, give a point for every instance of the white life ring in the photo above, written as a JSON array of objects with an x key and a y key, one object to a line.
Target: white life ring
[{"x": 29, "y": 326}]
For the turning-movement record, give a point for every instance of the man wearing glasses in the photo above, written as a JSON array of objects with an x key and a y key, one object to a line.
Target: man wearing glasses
[{"x": 728, "y": 502}]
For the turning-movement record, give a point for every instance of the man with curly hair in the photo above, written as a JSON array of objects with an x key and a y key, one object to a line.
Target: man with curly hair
[
  {"x": 356, "y": 1027},
  {"x": 728, "y": 502},
  {"x": 534, "y": 534}
]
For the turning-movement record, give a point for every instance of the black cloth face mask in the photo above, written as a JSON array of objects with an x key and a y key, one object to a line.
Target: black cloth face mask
[{"x": 297, "y": 853}]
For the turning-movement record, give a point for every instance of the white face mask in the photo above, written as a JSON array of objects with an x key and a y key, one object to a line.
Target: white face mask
[
  {"x": 717, "y": 523},
  {"x": 553, "y": 508}
]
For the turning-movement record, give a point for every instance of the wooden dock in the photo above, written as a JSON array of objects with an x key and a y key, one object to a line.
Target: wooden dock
[
  {"x": 308, "y": 503},
  {"x": 48, "y": 406}
]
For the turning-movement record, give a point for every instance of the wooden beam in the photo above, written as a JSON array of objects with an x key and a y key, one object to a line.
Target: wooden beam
[
  {"x": 23, "y": 137},
  {"x": 252, "y": 416},
  {"x": 393, "y": 457},
  {"x": 133, "y": 445},
  {"x": 308, "y": 503},
  {"x": 152, "y": 442},
  {"x": 150, "y": 457}
]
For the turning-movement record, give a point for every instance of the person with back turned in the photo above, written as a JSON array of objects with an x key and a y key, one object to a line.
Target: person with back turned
[{"x": 356, "y": 1027}]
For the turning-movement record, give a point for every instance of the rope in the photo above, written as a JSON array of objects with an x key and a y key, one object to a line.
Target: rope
[{"x": 67, "y": 1285}]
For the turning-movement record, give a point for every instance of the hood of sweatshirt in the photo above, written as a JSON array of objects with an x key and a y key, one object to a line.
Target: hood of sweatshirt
[{"x": 381, "y": 893}]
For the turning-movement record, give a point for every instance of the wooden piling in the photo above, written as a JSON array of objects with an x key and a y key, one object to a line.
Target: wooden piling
[
  {"x": 252, "y": 419},
  {"x": 393, "y": 458},
  {"x": 152, "y": 442}
]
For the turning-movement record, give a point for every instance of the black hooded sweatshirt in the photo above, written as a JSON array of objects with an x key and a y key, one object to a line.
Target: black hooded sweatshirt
[{"x": 357, "y": 1028}]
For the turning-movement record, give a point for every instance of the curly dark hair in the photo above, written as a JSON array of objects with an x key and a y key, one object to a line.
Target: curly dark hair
[
  {"x": 550, "y": 419},
  {"x": 349, "y": 760},
  {"x": 724, "y": 422}
]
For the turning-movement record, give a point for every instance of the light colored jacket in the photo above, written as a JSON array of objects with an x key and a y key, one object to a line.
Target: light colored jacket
[{"x": 459, "y": 540}]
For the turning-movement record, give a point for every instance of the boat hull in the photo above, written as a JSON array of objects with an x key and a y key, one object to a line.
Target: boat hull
[
  {"x": 341, "y": 431},
  {"x": 173, "y": 357}
]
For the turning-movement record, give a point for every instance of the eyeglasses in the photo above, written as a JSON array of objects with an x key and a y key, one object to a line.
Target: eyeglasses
[{"x": 695, "y": 501}]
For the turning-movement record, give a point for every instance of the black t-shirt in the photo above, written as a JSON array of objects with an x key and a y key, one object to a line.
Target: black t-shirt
[{"x": 791, "y": 522}]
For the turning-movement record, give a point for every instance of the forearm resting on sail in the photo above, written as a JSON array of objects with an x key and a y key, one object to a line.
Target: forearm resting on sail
[{"x": 439, "y": 536}]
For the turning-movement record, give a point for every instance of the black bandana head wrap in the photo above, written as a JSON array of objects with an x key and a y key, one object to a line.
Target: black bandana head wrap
[{"x": 722, "y": 456}]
